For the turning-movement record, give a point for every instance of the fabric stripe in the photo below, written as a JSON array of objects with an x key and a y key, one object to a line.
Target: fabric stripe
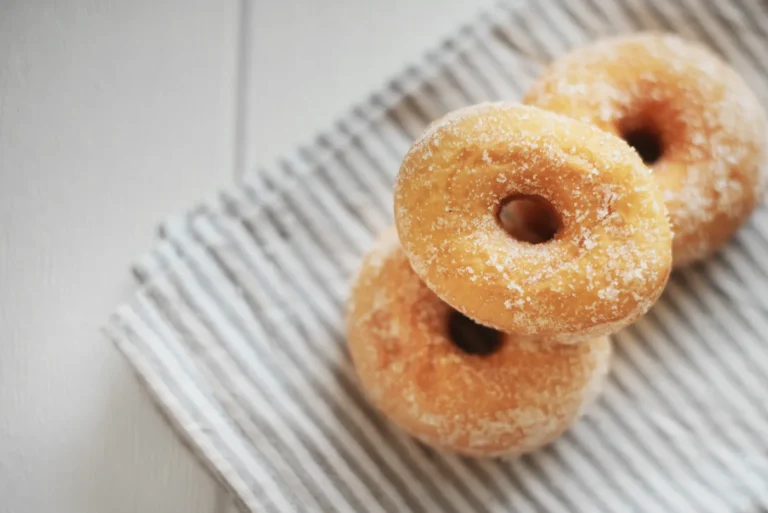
[
  {"x": 238, "y": 329},
  {"x": 676, "y": 384},
  {"x": 662, "y": 417},
  {"x": 733, "y": 440},
  {"x": 297, "y": 391},
  {"x": 515, "y": 33},
  {"x": 468, "y": 494},
  {"x": 548, "y": 38},
  {"x": 286, "y": 262},
  {"x": 584, "y": 17},
  {"x": 749, "y": 10},
  {"x": 489, "y": 65},
  {"x": 625, "y": 18},
  {"x": 489, "y": 58},
  {"x": 176, "y": 396},
  {"x": 179, "y": 414},
  {"x": 640, "y": 437},
  {"x": 285, "y": 448}
]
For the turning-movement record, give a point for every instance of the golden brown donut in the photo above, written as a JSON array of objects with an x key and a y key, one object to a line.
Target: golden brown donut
[
  {"x": 610, "y": 256},
  {"x": 519, "y": 397},
  {"x": 699, "y": 126}
]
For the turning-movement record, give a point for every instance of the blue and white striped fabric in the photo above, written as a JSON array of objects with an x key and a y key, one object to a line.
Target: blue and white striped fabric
[{"x": 237, "y": 328}]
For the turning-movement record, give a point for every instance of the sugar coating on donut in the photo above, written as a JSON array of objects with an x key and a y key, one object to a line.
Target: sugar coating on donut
[
  {"x": 608, "y": 261},
  {"x": 386, "y": 244},
  {"x": 507, "y": 403},
  {"x": 711, "y": 125}
]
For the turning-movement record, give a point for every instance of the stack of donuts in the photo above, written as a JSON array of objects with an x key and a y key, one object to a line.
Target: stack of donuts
[{"x": 525, "y": 234}]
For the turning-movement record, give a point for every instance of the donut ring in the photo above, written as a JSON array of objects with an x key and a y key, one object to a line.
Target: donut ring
[
  {"x": 704, "y": 128},
  {"x": 512, "y": 401},
  {"x": 608, "y": 260}
]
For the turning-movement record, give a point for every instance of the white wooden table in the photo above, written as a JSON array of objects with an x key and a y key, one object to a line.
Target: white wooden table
[{"x": 113, "y": 115}]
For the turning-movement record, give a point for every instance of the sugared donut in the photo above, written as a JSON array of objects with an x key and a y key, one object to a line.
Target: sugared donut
[
  {"x": 609, "y": 257},
  {"x": 495, "y": 397},
  {"x": 693, "y": 119}
]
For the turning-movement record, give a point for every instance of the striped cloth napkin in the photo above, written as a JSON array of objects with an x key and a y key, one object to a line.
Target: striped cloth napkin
[{"x": 238, "y": 325}]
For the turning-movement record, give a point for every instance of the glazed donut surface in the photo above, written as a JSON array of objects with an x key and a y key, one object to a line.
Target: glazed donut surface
[
  {"x": 513, "y": 400},
  {"x": 699, "y": 126},
  {"x": 608, "y": 260}
]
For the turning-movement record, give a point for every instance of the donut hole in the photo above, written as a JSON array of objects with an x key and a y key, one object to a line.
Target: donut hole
[
  {"x": 471, "y": 337},
  {"x": 529, "y": 219},
  {"x": 646, "y": 141}
]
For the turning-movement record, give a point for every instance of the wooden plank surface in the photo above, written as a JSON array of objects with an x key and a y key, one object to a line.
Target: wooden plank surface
[
  {"x": 112, "y": 115},
  {"x": 308, "y": 62}
]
